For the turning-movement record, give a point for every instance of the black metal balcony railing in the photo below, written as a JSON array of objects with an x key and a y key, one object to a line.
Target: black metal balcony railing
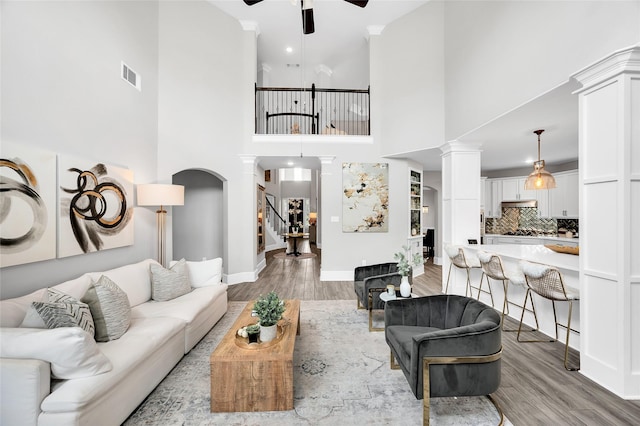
[{"x": 311, "y": 110}]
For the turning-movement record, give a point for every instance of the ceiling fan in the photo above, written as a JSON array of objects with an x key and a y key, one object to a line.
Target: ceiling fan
[{"x": 308, "y": 25}]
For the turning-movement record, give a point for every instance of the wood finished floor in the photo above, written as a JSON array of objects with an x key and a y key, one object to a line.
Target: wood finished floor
[{"x": 535, "y": 388}]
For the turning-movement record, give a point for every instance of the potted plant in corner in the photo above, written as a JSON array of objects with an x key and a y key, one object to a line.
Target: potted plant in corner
[
  {"x": 404, "y": 268},
  {"x": 269, "y": 309}
]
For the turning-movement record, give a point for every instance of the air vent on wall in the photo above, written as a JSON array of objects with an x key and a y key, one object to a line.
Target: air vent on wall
[{"x": 131, "y": 77}]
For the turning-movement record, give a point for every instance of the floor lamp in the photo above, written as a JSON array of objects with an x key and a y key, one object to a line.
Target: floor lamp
[{"x": 161, "y": 195}]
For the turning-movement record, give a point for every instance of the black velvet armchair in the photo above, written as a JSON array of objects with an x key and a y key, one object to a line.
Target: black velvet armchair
[
  {"x": 369, "y": 281},
  {"x": 446, "y": 345}
]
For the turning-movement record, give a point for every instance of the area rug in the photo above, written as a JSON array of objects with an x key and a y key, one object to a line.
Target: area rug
[
  {"x": 341, "y": 377},
  {"x": 302, "y": 256}
]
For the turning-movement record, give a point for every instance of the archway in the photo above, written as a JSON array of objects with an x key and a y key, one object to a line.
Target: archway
[{"x": 198, "y": 226}]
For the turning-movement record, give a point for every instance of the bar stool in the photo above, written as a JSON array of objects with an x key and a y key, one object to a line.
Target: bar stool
[
  {"x": 460, "y": 260},
  {"x": 492, "y": 267},
  {"x": 546, "y": 281}
]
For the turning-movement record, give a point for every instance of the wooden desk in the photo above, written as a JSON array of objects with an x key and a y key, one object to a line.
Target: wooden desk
[{"x": 255, "y": 379}]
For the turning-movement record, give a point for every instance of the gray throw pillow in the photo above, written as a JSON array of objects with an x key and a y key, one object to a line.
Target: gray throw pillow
[
  {"x": 65, "y": 314},
  {"x": 110, "y": 309},
  {"x": 167, "y": 284}
]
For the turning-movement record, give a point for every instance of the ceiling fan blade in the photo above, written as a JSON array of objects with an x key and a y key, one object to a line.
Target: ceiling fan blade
[
  {"x": 251, "y": 2},
  {"x": 308, "y": 26},
  {"x": 358, "y": 3}
]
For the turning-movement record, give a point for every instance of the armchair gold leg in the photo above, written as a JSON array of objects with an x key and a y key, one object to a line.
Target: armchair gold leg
[
  {"x": 426, "y": 385},
  {"x": 371, "y": 327},
  {"x": 392, "y": 363}
]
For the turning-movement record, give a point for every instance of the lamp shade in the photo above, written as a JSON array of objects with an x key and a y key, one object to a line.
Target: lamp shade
[
  {"x": 160, "y": 195},
  {"x": 540, "y": 179}
]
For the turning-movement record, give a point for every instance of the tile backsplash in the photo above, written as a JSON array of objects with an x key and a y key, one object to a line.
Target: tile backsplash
[{"x": 525, "y": 220}]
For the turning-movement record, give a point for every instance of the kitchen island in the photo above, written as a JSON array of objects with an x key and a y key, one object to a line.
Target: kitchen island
[{"x": 512, "y": 255}]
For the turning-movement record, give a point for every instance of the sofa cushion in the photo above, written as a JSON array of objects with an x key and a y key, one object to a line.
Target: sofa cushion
[
  {"x": 167, "y": 284},
  {"x": 143, "y": 339},
  {"x": 204, "y": 273},
  {"x": 110, "y": 309},
  {"x": 186, "y": 307},
  {"x": 71, "y": 351},
  {"x": 133, "y": 279}
]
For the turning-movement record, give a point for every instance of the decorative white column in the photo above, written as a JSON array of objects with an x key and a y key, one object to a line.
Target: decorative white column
[
  {"x": 460, "y": 202},
  {"x": 610, "y": 221}
]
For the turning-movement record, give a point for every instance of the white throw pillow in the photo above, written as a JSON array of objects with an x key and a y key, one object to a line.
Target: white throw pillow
[
  {"x": 167, "y": 284},
  {"x": 71, "y": 351},
  {"x": 204, "y": 273}
]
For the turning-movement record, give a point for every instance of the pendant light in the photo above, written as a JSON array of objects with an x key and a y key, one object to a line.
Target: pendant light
[{"x": 539, "y": 178}]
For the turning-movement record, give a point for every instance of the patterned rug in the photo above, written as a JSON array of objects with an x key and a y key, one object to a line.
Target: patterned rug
[{"x": 341, "y": 376}]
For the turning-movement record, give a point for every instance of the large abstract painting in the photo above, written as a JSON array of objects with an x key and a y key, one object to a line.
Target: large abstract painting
[
  {"x": 96, "y": 206},
  {"x": 365, "y": 197},
  {"x": 27, "y": 204}
]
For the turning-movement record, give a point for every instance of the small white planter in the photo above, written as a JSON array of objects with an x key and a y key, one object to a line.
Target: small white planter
[{"x": 267, "y": 334}]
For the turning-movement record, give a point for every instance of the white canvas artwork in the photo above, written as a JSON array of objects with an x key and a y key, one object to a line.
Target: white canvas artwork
[
  {"x": 95, "y": 206},
  {"x": 27, "y": 204},
  {"x": 365, "y": 197}
]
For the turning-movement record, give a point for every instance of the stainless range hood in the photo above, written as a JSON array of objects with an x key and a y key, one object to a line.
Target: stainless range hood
[{"x": 520, "y": 203}]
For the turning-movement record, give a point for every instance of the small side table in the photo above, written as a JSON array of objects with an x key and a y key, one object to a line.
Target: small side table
[{"x": 385, "y": 297}]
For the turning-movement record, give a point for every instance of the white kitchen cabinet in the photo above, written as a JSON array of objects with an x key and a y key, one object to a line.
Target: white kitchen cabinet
[
  {"x": 513, "y": 190},
  {"x": 516, "y": 240},
  {"x": 563, "y": 199},
  {"x": 493, "y": 198}
]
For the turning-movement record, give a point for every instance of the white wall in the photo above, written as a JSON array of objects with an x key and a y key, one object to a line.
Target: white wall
[
  {"x": 408, "y": 69},
  {"x": 502, "y": 54},
  {"x": 208, "y": 71},
  {"x": 62, "y": 91}
]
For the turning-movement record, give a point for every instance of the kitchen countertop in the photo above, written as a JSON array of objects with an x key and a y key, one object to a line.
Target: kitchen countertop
[
  {"x": 540, "y": 237},
  {"x": 532, "y": 253}
]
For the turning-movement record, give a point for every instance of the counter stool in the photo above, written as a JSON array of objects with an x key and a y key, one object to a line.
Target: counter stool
[
  {"x": 460, "y": 260},
  {"x": 546, "y": 281},
  {"x": 492, "y": 267}
]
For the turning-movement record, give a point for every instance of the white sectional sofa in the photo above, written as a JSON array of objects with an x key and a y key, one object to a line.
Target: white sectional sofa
[{"x": 116, "y": 375}]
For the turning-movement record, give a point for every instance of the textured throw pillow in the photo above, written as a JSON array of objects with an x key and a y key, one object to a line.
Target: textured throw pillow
[
  {"x": 58, "y": 309},
  {"x": 71, "y": 352},
  {"x": 167, "y": 284},
  {"x": 110, "y": 309},
  {"x": 60, "y": 314}
]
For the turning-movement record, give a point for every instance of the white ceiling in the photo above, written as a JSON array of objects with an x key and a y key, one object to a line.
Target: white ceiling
[{"x": 341, "y": 28}]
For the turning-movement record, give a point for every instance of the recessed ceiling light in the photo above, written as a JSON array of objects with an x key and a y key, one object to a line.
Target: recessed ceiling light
[
  {"x": 289, "y": 49},
  {"x": 290, "y": 163}
]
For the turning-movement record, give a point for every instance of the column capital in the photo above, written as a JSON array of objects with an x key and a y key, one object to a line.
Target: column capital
[
  {"x": 625, "y": 60},
  {"x": 457, "y": 146},
  {"x": 248, "y": 162},
  {"x": 250, "y": 26}
]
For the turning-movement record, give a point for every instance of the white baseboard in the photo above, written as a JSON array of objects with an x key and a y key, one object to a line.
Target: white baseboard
[{"x": 336, "y": 275}]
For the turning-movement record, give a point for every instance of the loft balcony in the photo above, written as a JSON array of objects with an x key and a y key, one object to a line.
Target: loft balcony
[{"x": 311, "y": 111}]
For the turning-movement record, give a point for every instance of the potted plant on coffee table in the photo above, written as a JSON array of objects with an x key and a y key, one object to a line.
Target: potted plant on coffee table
[
  {"x": 404, "y": 268},
  {"x": 269, "y": 309}
]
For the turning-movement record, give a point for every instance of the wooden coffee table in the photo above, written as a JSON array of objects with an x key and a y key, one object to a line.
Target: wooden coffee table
[{"x": 255, "y": 377}]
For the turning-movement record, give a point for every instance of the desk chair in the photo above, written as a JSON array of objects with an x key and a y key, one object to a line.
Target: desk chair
[
  {"x": 462, "y": 261},
  {"x": 546, "y": 281}
]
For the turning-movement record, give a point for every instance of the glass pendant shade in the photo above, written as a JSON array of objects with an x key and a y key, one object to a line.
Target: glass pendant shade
[{"x": 539, "y": 177}]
